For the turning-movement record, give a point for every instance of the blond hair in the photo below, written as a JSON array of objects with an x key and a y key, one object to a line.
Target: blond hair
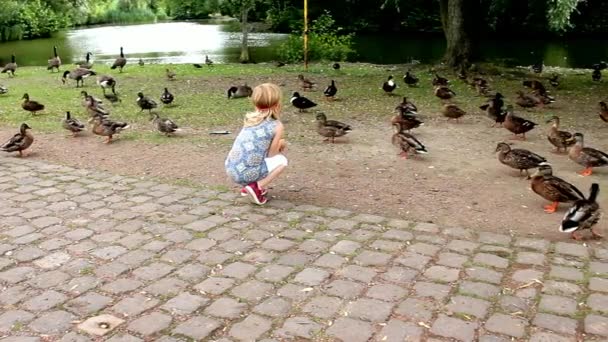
[{"x": 267, "y": 101}]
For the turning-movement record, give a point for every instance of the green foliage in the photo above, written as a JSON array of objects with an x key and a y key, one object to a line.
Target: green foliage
[
  {"x": 559, "y": 13},
  {"x": 324, "y": 42},
  {"x": 192, "y": 9}
]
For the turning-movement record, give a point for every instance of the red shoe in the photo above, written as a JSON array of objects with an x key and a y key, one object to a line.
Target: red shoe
[
  {"x": 256, "y": 194},
  {"x": 244, "y": 192}
]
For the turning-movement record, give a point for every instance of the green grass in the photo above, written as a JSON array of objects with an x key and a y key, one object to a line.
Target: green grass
[{"x": 201, "y": 104}]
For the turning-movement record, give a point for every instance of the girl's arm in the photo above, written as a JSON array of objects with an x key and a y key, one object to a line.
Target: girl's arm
[{"x": 275, "y": 145}]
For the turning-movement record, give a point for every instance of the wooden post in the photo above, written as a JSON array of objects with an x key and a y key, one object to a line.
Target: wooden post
[{"x": 306, "y": 35}]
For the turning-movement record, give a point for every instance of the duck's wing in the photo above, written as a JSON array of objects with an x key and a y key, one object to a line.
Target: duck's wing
[
  {"x": 338, "y": 125},
  {"x": 13, "y": 143},
  {"x": 527, "y": 156}
]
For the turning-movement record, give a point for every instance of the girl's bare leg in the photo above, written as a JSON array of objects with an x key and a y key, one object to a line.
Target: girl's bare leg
[{"x": 263, "y": 183}]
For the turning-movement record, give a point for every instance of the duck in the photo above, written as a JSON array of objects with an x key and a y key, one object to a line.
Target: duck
[
  {"x": 336, "y": 66},
  {"x": 78, "y": 74},
  {"x": 559, "y": 139},
  {"x": 301, "y": 102},
  {"x": 444, "y": 92},
  {"x": 552, "y": 188},
  {"x": 406, "y": 142},
  {"x": 55, "y": 61},
  {"x": 389, "y": 85},
  {"x": 596, "y": 75},
  {"x": 145, "y": 102},
  {"x": 527, "y": 101},
  {"x": 452, "y": 111},
  {"x": 120, "y": 62},
  {"x": 94, "y": 109},
  {"x": 536, "y": 86},
  {"x": 31, "y": 106},
  {"x": 331, "y": 90},
  {"x": 584, "y": 214},
  {"x": 166, "y": 97},
  {"x": 197, "y": 66},
  {"x": 305, "y": 83},
  {"x": 107, "y": 128},
  {"x": 107, "y": 82},
  {"x": 331, "y": 129},
  {"x": 586, "y": 156},
  {"x": 516, "y": 124},
  {"x": 407, "y": 106},
  {"x": 600, "y": 66},
  {"x": 603, "y": 110},
  {"x": 20, "y": 141},
  {"x": 410, "y": 79},
  {"x": 440, "y": 81},
  {"x": 11, "y": 67},
  {"x": 494, "y": 109},
  {"x": 164, "y": 125},
  {"x": 554, "y": 80},
  {"x": 86, "y": 64},
  {"x": 71, "y": 124},
  {"x": 170, "y": 74},
  {"x": 140, "y": 62},
  {"x": 3, "y": 89},
  {"x": 236, "y": 92},
  {"x": 95, "y": 101},
  {"x": 518, "y": 159},
  {"x": 406, "y": 121},
  {"x": 208, "y": 61},
  {"x": 538, "y": 67}
]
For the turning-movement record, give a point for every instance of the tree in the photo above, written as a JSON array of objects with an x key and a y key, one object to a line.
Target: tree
[
  {"x": 458, "y": 22},
  {"x": 240, "y": 9}
]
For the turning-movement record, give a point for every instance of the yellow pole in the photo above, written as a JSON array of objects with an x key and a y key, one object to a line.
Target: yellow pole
[{"x": 306, "y": 35}]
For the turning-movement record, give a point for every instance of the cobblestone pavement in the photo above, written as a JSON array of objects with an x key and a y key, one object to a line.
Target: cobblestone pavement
[{"x": 93, "y": 256}]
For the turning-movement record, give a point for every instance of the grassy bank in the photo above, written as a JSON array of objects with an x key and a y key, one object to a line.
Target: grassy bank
[{"x": 201, "y": 104}]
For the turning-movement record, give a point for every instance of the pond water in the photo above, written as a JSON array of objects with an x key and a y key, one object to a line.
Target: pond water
[{"x": 189, "y": 42}]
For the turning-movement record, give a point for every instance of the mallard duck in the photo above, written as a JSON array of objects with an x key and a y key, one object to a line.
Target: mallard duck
[
  {"x": 11, "y": 67},
  {"x": 336, "y": 66},
  {"x": 78, "y": 74},
  {"x": 452, "y": 111},
  {"x": 107, "y": 82},
  {"x": 389, "y": 85},
  {"x": 20, "y": 141},
  {"x": 331, "y": 90},
  {"x": 517, "y": 158},
  {"x": 120, "y": 62},
  {"x": 95, "y": 101},
  {"x": 559, "y": 139},
  {"x": 145, "y": 102},
  {"x": 170, "y": 74},
  {"x": 406, "y": 121},
  {"x": 196, "y": 65},
  {"x": 305, "y": 83},
  {"x": 86, "y": 64},
  {"x": 406, "y": 142},
  {"x": 94, "y": 109},
  {"x": 584, "y": 214},
  {"x": 3, "y": 90},
  {"x": 407, "y": 106},
  {"x": 236, "y": 92},
  {"x": 516, "y": 124},
  {"x": 494, "y": 109},
  {"x": 55, "y": 61},
  {"x": 301, "y": 102},
  {"x": 596, "y": 75},
  {"x": 440, "y": 81},
  {"x": 208, "y": 61},
  {"x": 527, "y": 101},
  {"x": 553, "y": 189},
  {"x": 31, "y": 106},
  {"x": 410, "y": 79},
  {"x": 164, "y": 125},
  {"x": 536, "y": 86},
  {"x": 538, "y": 67},
  {"x": 554, "y": 80},
  {"x": 586, "y": 156},
  {"x": 600, "y": 66},
  {"x": 166, "y": 97},
  {"x": 140, "y": 62},
  {"x": 603, "y": 110},
  {"x": 444, "y": 93},
  {"x": 107, "y": 128},
  {"x": 331, "y": 129},
  {"x": 71, "y": 124}
]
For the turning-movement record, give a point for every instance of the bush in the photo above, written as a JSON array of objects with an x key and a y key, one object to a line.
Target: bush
[{"x": 324, "y": 43}]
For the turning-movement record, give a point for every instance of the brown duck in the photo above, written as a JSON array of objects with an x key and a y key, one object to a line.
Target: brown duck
[
  {"x": 586, "y": 156},
  {"x": 444, "y": 92},
  {"x": 20, "y": 141},
  {"x": 516, "y": 124},
  {"x": 452, "y": 111},
  {"x": 527, "y": 101},
  {"x": 559, "y": 139},
  {"x": 406, "y": 142},
  {"x": 406, "y": 121},
  {"x": 518, "y": 159},
  {"x": 305, "y": 83},
  {"x": 331, "y": 129},
  {"x": 553, "y": 189},
  {"x": 31, "y": 106}
]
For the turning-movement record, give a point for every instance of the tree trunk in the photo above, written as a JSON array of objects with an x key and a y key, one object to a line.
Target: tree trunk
[
  {"x": 245, "y": 30},
  {"x": 458, "y": 21}
]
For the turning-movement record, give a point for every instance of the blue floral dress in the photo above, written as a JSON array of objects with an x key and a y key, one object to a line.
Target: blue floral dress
[{"x": 245, "y": 162}]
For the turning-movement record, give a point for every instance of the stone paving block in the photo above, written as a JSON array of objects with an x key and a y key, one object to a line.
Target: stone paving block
[
  {"x": 21, "y": 339},
  {"x": 166, "y": 287},
  {"x": 313, "y": 246},
  {"x": 342, "y": 224},
  {"x": 294, "y": 292},
  {"x": 150, "y": 324},
  {"x": 482, "y": 290},
  {"x": 442, "y": 274},
  {"x": 295, "y": 327},
  {"x": 197, "y": 328},
  {"x": 343, "y": 289},
  {"x": 48, "y": 279},
  {"x": 347, "y": 329},
  {"x": 555, "y": 323},
  {"x": 251, "y": 328},
  {"x": 192, "y": 272},
  {"x": 369, "y": 309},
  {"x": 184, "y": 303},
  {"x": 399, "y": 275},
  {"x": 490, "y": 260},
  {"x": 527, "y": 275},
  {"x": 238, "y": 270},
  {"x": 10, "y": 318},
  {"x": 386, "y": 292},
  {"x": 273, "y": 307},
  {"x": 52, "y": 322},
  {"x": 311, "y": 276},
  {"x": 507, "y": 325},
  {"x": 87, "y": 304},
  {"x": 369, "y": 258},
  {"x": 331, "y": 261},
  {"x": 74, "y": 337},
  {"x": 557, "y": 304},
  {"x": 214, "y": 257},
  {"x": 561, "y": 288},
  {"x": 598, "y": 284},
  {"x": 567, "y": 273},
  {"x": 494, "y": 239},
  {"x": 153, "y": 271},
  {"x": 468, "y": 305},
  {"x": 452, "y": 260},
  {"x": 531, "y": 258},
  {"x": 225, "y": 308},
  {"x": 386, "y": 246},
  {"x": 423, "y": 248},
  {"x": 396, "y": 330},
  {"x": 45, "y": 301},
  {"x": 323, "y": 306},
  {"x": 52, "y": 260},
  {"x": 397, "y": 234},
  {"x": 436, "y": 291},
  {"x": 512, "y": 304},
  {"x": 134, "y": 305},
  {"x": 484, "y": 274},
  {"x": 252, "y": 290},
  {"x": 549, "y": 337},
  {"x": 454, "y": 328},
  {"x": 345, "y": 247},
  {"x": 413, "y": 260},
  {"x": 598, "y": 267},
  {"x": 571, "y": 249},
  {"x": 598, "y": 302},
  {"x": 278, "y": 245},
  {"x": 274, "y": 273},
  {"x": 215, "y": 285},
  {"x": 596, "y": 325}
]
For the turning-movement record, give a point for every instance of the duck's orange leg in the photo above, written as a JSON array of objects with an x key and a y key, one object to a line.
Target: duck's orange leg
[
  {"x": 596, "y": 235},
  {"x": 109, "y": 140},
  {"x": 586, "y": 172},
  {"x": 575, "y": 237},
  {"x": 550, "y": 209},
  {"x": 403, "y": 155}
]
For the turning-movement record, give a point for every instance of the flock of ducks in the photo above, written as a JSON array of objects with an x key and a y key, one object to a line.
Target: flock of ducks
[{"x": 583, "y": 214}]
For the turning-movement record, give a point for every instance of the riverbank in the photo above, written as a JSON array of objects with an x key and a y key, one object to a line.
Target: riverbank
[{"x": 460, "y": 183}]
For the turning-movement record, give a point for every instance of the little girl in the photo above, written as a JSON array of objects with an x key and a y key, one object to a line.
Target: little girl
[{"x": 256, "y": 157}]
